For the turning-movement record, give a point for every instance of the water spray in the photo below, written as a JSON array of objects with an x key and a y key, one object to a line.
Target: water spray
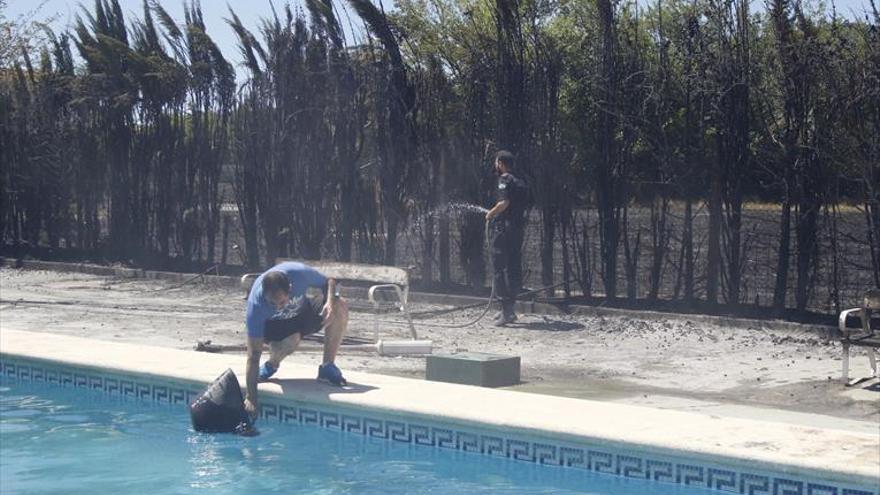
[{"x": 489, "y": 301}]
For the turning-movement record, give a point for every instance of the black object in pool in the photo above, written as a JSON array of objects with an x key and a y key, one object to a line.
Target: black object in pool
[{"x": 220, "y": 409}]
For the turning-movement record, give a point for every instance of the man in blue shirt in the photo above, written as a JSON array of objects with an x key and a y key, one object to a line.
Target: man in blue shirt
[{"x": 280, "y": 313}]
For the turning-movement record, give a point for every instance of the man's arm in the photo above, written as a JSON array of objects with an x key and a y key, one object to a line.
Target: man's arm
[
  {"x": 254, "y": 350},
  {"x": 331, "y": 300},
  {"x": 498, "y": 209},
  {"x": 328, "y": 288}
]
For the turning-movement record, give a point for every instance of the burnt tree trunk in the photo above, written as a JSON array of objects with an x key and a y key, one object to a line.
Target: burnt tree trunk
[{"x": 780, "y": 289}]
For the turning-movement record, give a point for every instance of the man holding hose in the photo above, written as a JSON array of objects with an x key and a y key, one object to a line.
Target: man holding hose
[{"x": 508, "y": 222}]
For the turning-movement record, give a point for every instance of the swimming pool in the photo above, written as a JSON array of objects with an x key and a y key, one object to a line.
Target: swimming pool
[
  {"x": 658, "y": 449},
  {"x": 78, "y": 440}
]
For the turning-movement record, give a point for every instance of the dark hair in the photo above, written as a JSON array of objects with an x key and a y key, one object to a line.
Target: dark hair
[
  {"x": 275, "y": 281},
  {"x": 506, "y": 157}
]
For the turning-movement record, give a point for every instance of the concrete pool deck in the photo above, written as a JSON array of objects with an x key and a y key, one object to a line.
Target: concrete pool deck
[
  {"x": 835, "y": 455},
  {"x": 666, "y": 363}
]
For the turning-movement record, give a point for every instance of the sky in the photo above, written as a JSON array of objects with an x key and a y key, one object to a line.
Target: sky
[
  {"x": 250, "y": 11},
  {"x": 215, "y": 13}
]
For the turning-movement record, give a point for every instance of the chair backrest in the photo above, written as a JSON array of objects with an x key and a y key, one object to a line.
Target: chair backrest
[
  {"x": 872, "y": 300},
  {"x": 358, "y": 271},
  {"x": 247, "y": 281}
]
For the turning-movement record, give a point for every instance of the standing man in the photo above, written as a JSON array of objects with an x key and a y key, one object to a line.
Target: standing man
[
  {"x": 508, "y": 218},
  {"x": 280, "y": 313}
]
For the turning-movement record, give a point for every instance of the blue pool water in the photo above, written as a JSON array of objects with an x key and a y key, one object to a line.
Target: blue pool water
[{"x": 63, "y": 440}]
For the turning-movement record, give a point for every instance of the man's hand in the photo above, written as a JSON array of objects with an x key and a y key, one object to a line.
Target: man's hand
[
  {"x": 497, "y": 209},
  {"x": 255, "y": 348},
  {"x": 328, "y": 312},
  {"x": 251, "y": 407}
]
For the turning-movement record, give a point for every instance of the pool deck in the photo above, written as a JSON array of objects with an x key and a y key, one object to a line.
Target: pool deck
[{"x": 831, "y": 454}]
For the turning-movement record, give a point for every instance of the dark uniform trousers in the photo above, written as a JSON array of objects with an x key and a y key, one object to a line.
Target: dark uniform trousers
[{"x": 507, "y": 262}]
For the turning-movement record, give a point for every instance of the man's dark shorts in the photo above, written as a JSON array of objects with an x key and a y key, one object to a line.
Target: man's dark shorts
[{"x": 302, "y": 315}]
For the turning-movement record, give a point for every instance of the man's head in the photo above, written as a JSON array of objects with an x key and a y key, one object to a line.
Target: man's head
[
  {"x": 504, "y": 161},
  {"x": 276, "y": 288}
]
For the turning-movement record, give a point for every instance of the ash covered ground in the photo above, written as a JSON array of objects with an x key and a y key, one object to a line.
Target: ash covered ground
[{"x": 669, "y": 363}]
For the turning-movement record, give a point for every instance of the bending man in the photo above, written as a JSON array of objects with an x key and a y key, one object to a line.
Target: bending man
[{"x": 280, "y": 313}]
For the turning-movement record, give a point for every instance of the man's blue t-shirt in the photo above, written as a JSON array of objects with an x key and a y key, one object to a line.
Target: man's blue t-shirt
[{"x": 259, "y": 309}]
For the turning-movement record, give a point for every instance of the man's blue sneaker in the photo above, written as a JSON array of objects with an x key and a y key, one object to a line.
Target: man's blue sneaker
[
  {"x": 332, "y": 374},
  {"x": 267, "y": 370}
]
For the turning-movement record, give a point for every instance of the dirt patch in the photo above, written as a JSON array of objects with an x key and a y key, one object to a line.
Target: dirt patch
[{"x": 670, "y": 362}]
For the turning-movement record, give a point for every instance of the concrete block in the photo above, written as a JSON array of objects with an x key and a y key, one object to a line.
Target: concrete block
[{"x": 474, "y": 368}]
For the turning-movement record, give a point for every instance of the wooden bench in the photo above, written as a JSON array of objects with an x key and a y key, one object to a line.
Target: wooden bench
[
  {"x": 382, "y": 278},
  {"x": 865, "y": 335}
]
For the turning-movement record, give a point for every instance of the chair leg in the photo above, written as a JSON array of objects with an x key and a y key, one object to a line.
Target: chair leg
[
  {"x": 845, "y": 361},
  {"x": 403, "y": 297},
  {"x": 872, "y": 358},
  {"x": 375, "y": 322},
  {"x": 412, "y": 328}
]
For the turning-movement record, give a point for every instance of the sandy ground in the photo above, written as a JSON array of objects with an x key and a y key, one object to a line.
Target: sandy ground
[{"x": 673, "y": 363}]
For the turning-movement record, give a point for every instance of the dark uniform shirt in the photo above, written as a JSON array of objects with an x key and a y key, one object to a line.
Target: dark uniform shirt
[
  {"x": 512, "y": 189},
  {"x": 507, "y": 240}
]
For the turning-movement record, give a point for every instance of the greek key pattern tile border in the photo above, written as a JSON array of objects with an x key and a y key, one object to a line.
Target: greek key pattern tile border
[{"x": 629, "y": 465}]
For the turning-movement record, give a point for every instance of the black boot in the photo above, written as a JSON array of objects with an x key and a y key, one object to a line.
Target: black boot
[{"x": 505, "y": 316}]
